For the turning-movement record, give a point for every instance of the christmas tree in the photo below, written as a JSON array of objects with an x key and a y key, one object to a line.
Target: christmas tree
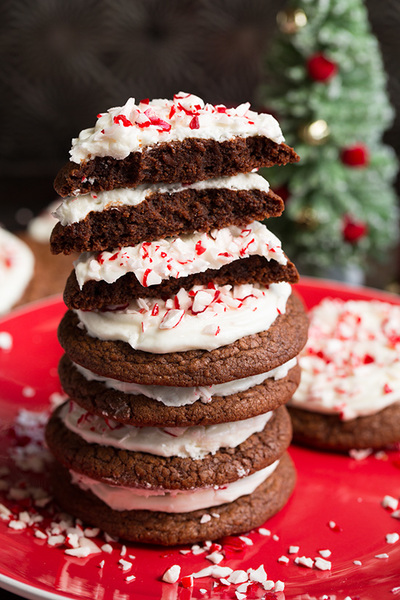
[{"x": 328, "y": 89}]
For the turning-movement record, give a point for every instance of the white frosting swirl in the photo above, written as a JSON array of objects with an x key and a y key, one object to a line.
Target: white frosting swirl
[
  {"x": 351, "y": 363},
  {"x": 172, "y": 501},
  {"x": 193, "y": 442},
  {"x": 16, "y": 269},
  {"x": 153, "y": 262},
  {"x": 203, "y": 318},
  {"x": 130, "y": 128},
  {"x": 181, "y": 396},
  {"x": 75, "y": 208}
]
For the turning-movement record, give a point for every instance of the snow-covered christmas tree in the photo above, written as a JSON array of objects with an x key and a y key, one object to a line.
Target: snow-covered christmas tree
[{"x": 327, "y": 87}]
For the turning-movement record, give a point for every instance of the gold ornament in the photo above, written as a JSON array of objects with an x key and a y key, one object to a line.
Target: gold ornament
[
  {"x": 315, "y": 133},
  {"x": 307, "y": 218},
  {"x": 291, "y": 20}
]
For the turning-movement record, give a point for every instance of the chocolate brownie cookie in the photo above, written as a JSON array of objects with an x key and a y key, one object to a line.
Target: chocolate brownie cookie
[
  {"x": 98, "y": 295},
  {"x": 162, "y": 215},
  {"x": 132, "y": 469},
  {"x": 169, "y": 529},
  {"x": 329, "y": 432},
  {"x": 247, "y": 356},
  {"x": 186, "y": 161},
  {"x": 142, "y": 411}
]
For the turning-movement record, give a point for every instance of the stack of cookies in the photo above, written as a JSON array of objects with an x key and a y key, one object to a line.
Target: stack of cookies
[{"x": 182, "y": 333}]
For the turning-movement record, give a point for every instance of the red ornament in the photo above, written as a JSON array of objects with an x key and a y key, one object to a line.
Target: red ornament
[
  {"x": 283, "y": 192},
  {"x": 355, "y": 156},
  {"x": 320, "y": 68},
  {"x": 353, "y": 230}
]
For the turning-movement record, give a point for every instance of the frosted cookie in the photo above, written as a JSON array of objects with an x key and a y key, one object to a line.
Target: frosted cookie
[
  {"x": 17, "y": 265},
  {"x": 99, "y": 295},
  {"x": 181, "y": 140},
  {"x": 166, "y": 458},
  {"x": 122, "y": 217},
  {"x": 231, "y": 510},
  {"x": 249, "y": 355},
  {"x": 349, "y": 396},
  {"x": 170, "y": 406},
  {"x": 231, "y": 255}
]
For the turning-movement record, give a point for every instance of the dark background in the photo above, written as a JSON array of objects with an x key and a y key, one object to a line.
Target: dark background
[{"x": 64, "y": 61}]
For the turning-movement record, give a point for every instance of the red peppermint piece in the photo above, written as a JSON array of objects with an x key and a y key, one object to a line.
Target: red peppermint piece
[
  {"x": 200, "y": 249},
  {"x": 387, "y": 389},
  {"x": 122, "y": 119},
  {"x": 368, "y": 359},
  {"x": 100, "y": 258},
  {"x": 194, "y": 123},
  {"x": 321, "y": 68},
  {"x": 155, "y": 310},
  {"x": 245, "y": 249},
  {"x": 233, "y": 545},
  {"x": 335, "y": 527},
  {"x": 155, "y": 120},
  {"x": 114, "y": 256},
  {"x": 145, "y": 277},
  {"x": 145, "y": 101},
  {"x": 172, "y": 111},
  {"x": 187, "y": 582},
  {"x": 355, "y": 156},
  {"x": 353, "y": 230}
]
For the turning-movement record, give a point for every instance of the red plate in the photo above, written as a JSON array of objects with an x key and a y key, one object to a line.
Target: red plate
[{"x": 330, "y": 488}]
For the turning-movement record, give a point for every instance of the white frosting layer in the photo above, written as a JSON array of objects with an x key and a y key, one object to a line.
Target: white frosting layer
[
  {"x": 130, "y": 128},
  {"x": 203, "y": 318},
  {"x": 76, "y": 208},
  {"x": 16, "y": 269},
  {"x": 40, "y": 227},
  {"x": 193, "y": 442},
  {"x": 153, "y": 262},
  {"x": 181, "y": 396},
  {"x": 172, "y": 501},
  {"x": 351, "y": 363}
]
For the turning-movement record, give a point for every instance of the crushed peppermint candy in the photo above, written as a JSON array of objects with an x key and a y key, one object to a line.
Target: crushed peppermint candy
[
  {"x": 206, "y": 518},
  {"x": 350, "y": 364},
  {"x": 392, "y": 538},
  {"x": 322, "y": 564},
  {"x": 6, "y": 341},
  {"x": 304, "y": 561},
  {"x": 390, "y": 503},
  {"x": 172, "y": 574}
]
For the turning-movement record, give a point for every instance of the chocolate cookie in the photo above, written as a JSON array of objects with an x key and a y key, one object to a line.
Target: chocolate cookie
[
  {"x": 99, "y": 294},
  {"x": 187, "y": 161},
  {"x": 169, "y": 529},
  {"x": 247, "y": 356},
  {"x": 132, "y": 469},
  {"x": 163, "y": 215},
  {"x": 141, "y": 411},
  {"x": 329, "y": 432}
]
